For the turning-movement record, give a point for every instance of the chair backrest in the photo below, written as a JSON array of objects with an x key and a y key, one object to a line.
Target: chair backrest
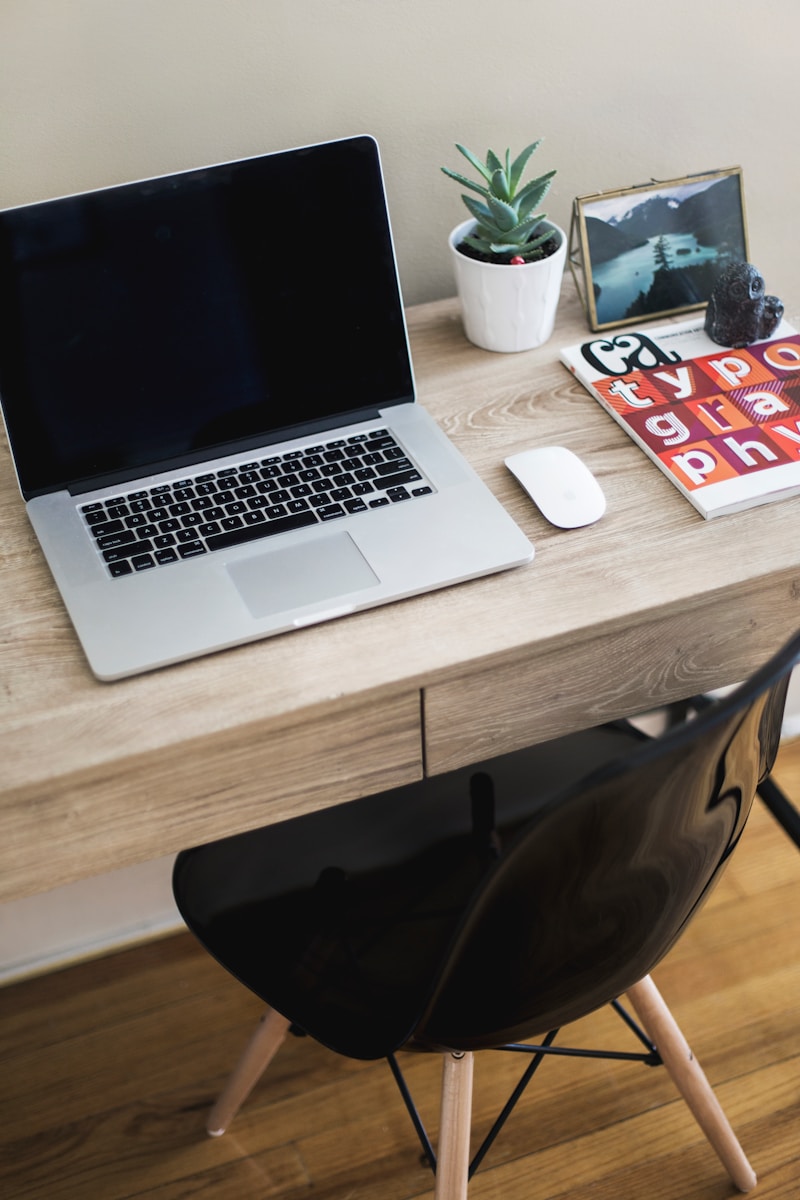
[{"x": 595, "y": 888}]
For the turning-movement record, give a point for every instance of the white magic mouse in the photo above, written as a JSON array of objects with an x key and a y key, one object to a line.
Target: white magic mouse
[{"x": 560, "y": 484}]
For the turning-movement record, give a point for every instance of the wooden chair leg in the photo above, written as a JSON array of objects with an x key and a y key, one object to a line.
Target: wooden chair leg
[
  {"x": 257, "y": 1055},
  {"x": 689, "y": 1077},
  {"x": 452, "y": 1159}
]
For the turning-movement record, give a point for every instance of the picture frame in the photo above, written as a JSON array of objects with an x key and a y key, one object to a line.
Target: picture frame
[{"x": 656, "y": 249}]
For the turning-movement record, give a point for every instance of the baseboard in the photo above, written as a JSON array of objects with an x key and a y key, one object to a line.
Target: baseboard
[{"x": 77, "y": 952}]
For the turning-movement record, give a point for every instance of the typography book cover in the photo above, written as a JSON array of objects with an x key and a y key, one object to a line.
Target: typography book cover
[{"x": 722, "y": 424}]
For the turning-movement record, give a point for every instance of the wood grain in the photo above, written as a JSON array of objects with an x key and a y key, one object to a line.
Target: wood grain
[
  {"x": 650, "y": 603},
  {"x": 109, "y": 1069}
]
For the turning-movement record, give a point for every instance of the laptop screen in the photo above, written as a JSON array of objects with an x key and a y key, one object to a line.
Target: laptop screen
[{"x": 169, "y": 320}]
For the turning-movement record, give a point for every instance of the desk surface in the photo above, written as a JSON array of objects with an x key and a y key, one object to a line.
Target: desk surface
[{"x": 651, "y": 604}]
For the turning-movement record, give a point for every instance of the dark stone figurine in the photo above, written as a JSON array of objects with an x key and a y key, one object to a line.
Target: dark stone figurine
[{"x": 738, "y": 312}]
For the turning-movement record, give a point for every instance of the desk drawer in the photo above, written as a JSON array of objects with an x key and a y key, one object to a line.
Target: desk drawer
[
  {"x": 554, "y": 690},
  {"x": 142, "y": 807}
]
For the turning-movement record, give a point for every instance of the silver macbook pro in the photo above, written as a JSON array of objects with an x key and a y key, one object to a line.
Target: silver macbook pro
[{"x": 209, "y": 399}]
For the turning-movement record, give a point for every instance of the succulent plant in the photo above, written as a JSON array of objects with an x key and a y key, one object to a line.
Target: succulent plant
[{"x": 507, "y": 227}]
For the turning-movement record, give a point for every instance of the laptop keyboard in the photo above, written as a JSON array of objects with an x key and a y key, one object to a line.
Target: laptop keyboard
[{"x": 216, "y": 510}]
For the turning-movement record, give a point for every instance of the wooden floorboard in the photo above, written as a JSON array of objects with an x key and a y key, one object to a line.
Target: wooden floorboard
[{"x": 109, "y": 1067}]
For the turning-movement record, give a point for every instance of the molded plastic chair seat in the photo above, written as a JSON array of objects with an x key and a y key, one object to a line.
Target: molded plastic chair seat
[{"x": 491, "y": 904}]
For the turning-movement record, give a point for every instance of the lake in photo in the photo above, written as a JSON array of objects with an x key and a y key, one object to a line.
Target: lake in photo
[{"x": 621, "y": 279}]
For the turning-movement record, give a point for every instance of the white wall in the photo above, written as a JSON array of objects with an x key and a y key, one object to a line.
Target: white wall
[
  {"x": 98, "y": 91},
  {"x": 94, "y": 92}
]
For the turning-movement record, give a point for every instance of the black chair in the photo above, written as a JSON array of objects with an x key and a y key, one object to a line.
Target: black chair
[
  {"x": 481, "y": 908},
  {"x": 772, "y": 796}
]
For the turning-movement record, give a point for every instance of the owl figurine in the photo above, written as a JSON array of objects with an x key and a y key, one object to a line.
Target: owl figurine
[{"x": 738, "y": 312}]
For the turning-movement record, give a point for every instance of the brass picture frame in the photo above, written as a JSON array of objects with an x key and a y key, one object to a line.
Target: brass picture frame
[{"x": 656, "y": 249}]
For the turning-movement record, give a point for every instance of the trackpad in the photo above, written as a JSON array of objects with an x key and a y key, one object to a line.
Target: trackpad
[{"x": 320, "y": 569}]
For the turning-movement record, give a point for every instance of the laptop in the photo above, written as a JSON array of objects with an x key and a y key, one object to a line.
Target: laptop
[{"x": 209, "y": 399}]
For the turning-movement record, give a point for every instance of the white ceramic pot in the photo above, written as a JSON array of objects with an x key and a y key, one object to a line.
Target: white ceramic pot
[{"x": 508, "y": 308}]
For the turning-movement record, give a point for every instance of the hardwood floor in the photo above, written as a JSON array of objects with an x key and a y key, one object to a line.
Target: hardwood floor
[{"x": 108, "y": 1069}]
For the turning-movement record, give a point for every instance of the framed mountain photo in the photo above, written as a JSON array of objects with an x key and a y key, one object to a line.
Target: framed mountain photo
[{"x": 656, "y": 249}]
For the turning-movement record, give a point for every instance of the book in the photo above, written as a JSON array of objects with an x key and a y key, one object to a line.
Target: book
[{"x": 722, "y": 424}]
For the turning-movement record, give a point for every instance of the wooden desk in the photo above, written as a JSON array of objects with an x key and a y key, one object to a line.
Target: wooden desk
[{"x": 649, "y": 605}]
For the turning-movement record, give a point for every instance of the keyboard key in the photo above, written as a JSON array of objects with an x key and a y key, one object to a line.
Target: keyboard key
[
  {"x": 117, "y": 569},
  {"x": 400, "y": 477},
  {"x": 112, "y": 540},
  {"x": 191, "y": 549},
  {"x": 248, "y": 533},
  {"x": 330, "y": 512},
  {"x": 165, "y": 556},
  {"x": 142, "y": 562},
  {"x": 105, "y": 527},
  {"x": 379, "y": 442},
  {"x": 356, "y": 505},
  {"x": 129, "y": 551},
  {"x": 398, "y": 493}
]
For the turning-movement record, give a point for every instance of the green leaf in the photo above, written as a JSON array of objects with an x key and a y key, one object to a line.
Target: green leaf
[
  {"x": 493, "y": 162},
  {"x": 522, "y": 231},
  {"x": 499, "y": 187},
  {"x": 485, "y": 171},
  {"x": 534, "y": 245},
  {"x": 533, "y": 193},
  {"x": 505, "y": 216},
  {"x": 519, "y": 164},
  {"x": 478, "y": 243},
  {"x": 462, "y": 179},
  {"x": 479, "y": 211}
]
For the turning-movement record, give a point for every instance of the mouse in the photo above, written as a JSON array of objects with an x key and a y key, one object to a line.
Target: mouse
[{"x": 560, "y": 484}]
